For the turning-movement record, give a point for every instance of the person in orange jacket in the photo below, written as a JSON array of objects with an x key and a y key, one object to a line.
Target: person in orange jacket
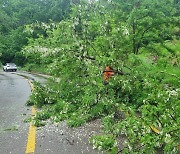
[{"x": 109, "y": 72}]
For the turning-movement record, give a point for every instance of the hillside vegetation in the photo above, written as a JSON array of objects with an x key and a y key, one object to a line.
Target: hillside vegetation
[{"x": 139, "y": 41}]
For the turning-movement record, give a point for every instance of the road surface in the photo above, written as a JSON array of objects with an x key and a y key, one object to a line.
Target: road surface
[
  {"x": 51, "y": 139},
  {"x": 14, "y": 92}
]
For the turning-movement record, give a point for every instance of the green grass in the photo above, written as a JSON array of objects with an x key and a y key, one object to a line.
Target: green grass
[{"x": 174, "y": 45}]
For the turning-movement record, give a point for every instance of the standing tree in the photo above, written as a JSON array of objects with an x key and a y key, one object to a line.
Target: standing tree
[{"x": 147, "y": 21}]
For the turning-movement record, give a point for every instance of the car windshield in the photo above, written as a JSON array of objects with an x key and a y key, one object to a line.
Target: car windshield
[{"x": 11, "y": 64}]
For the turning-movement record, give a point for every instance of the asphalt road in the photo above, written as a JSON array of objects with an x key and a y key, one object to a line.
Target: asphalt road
[
  {"x": 14, "y": 92},
  {"x": 51, "y": 139}
]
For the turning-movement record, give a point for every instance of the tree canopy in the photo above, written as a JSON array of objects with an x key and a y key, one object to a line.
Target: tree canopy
[
  {"x": 18, "y": 13},
  {"x": 76, "y": 40}
]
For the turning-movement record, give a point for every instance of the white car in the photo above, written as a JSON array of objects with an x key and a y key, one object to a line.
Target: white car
[{"x": 10, "y": 67}]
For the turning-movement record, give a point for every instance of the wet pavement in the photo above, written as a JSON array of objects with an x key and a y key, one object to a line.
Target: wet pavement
[
  {"x": 60, "y": 139},
  {"x": 33, "y": 76},
  {"x": 50, "y": 139},
  {"x": 14, "y": 92}
]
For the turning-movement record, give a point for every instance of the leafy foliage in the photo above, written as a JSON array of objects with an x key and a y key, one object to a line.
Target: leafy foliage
[
  {"x": 134, "y": 38},
  {"x": 15, "y": 14},
  {"x": 106, "y": 142}
]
